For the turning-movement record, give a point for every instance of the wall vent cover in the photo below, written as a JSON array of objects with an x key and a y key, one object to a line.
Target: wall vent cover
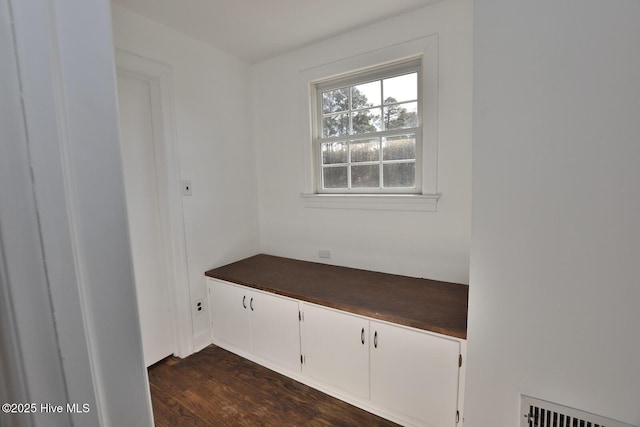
[{"x": 541, "y": 413}]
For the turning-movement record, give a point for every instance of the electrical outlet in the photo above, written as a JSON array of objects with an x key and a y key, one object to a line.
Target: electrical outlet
[
  {"x": 324, "y": 253},
  {"x": 199, "y": 306},
  {"x": 186, "y": 187}
]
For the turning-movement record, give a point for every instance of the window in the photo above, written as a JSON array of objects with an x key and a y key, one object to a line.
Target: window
[
  {"x": 405, "y": 193},
  {"x": 368, "y": 131}
]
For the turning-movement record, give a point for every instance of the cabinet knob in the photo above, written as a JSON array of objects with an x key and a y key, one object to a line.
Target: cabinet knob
[
  {"x": 375, "y": 339},
  {"x": 244, "y": 301},
  {"x": 251, "y": 303},
  {"x": 362, "y": 336}
]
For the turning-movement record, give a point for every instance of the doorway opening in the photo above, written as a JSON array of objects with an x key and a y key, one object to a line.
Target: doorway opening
[{"x": 154, "y": 206}]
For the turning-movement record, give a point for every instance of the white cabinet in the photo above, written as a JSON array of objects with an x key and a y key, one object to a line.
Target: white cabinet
[
  {"x": 275, "y": 333},
  {"x": 262, "y": 323},
  {"x": 230, "y": 315},
  {"x": 415, "y": 373},
  {"x": 405, "y": 374},
  {"x": 335, "y": 347},
  {"x": 402, "y": 370}
]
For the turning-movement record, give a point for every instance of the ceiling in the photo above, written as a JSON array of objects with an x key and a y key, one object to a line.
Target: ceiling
[{"x": 254, "y": 30}]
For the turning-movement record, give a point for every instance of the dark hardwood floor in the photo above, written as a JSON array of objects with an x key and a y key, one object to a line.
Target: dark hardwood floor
[{"x": 218, "y": 388}]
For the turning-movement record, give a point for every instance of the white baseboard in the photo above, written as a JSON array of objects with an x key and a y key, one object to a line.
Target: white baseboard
[{"x": 201, "y": 341}]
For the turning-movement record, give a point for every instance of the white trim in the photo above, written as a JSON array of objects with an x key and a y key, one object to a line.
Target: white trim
[
  {"x": 430, "y": 98},
  {"x": 381, "y": 202},
  {"x": 375, "y": 73},
  {"x": 159, "y": 77},
  {"x": 378, "y": 74},
  {"x": 62, "y": 240},
  {"x": 30, "y": 364},
  {"x": 427, "y": 47},
  {"x": 69, "y": 279}
]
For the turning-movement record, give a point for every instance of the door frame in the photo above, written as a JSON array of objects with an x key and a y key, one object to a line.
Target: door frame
[{"x": 159, "y": 78}]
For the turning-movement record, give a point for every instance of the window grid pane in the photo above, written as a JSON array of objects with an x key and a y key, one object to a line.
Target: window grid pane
[
  {"x": 356, "y": 164},
  {"x": 334, "y": 152},
  {"x": 335, "y": 100},
  {"x": 365, "y": 176},
  {"x": 367, "y": 150},
  {"x": 366, "y": 121},
  {"x": 399, "y": 147},
  {"x": 366, "y": 95},
  {"x": 399, "y": 116},
  {"x": 334, "y": 177},
  {"x": 399, "y": 175},
  {"x": 353, "y": 105},
  {"x": 400, "y": 88},
  {"x": 386, "y": 107}
]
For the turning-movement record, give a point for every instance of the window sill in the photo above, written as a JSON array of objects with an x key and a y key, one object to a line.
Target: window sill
[{"x": 381, "y": 202}]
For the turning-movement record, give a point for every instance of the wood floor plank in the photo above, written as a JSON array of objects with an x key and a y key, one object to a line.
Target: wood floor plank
[{"x": 217, "y": 388}]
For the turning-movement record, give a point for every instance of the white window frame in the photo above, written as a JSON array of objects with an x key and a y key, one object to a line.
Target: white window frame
[
  {"x": 407, "y": 66},
  {"x": 427, "y": 49}
]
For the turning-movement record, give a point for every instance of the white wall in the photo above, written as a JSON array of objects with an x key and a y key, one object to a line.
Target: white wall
[
  {"x": 427, "y": 244},
  {"x": 212, "y": 95},
  {"x": 554, "y": 280}
]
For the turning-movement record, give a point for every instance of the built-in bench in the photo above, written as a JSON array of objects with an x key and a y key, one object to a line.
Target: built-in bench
[{"x": 390, "y": 344}]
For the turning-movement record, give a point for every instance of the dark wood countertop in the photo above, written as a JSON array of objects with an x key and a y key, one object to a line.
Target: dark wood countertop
[{"x": 420, "y": 303}]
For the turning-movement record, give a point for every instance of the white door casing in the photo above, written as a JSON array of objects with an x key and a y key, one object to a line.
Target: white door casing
[
  {"x": 69, "y": 324},
  {"x": 169, "y": 220}
]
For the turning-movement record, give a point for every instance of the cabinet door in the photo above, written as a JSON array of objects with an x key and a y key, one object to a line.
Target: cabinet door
[
  {"x": 275, "y": 329},
  {"x": 335, "y": 346},
  {"x": 415, "y": 374},
  {"x": 230, "y": 314}
]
